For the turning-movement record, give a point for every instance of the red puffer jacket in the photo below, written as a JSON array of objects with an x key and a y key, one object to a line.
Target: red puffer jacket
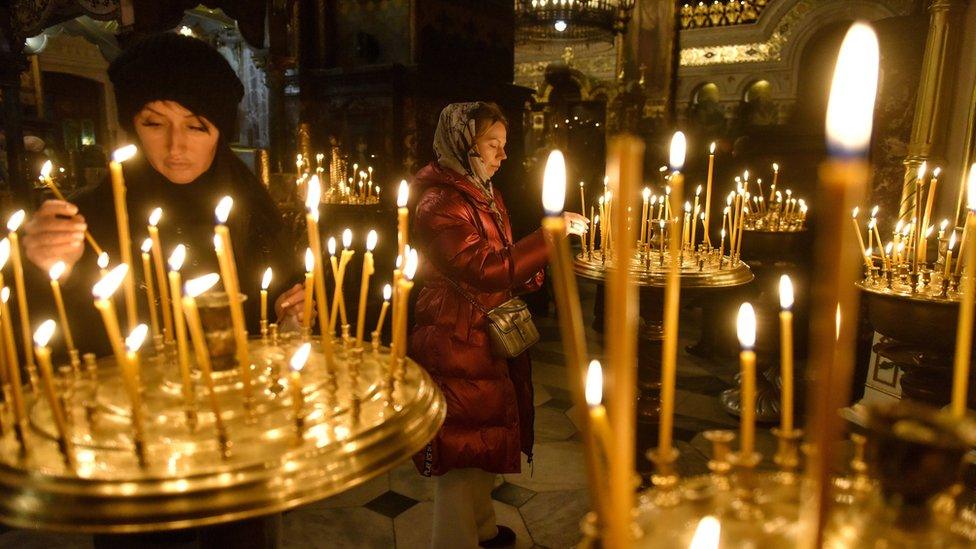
[{"x": 489, "y": 399}]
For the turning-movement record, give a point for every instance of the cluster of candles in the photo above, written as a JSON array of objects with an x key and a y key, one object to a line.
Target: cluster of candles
[
  {"x": 181, "y": 324},
  {"x": 779, "y": 213},
  {"x": 345, "y": 186}
]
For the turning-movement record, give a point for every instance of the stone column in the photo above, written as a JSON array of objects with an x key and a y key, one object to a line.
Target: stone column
[
  {"x": 928, "y": 127},
  {"x": 14, "y": 63}
]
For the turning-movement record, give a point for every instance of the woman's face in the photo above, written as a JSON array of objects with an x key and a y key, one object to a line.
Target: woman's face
[
  {"x": 179, "y": 144},
  {"x": 491, "y": 147}
]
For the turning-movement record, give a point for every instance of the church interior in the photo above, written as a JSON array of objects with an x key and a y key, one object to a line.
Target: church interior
[{"x": 719, "y": 293}]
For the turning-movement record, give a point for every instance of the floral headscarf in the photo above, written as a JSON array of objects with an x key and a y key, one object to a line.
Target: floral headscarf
[{"x": 454, "y": 144}]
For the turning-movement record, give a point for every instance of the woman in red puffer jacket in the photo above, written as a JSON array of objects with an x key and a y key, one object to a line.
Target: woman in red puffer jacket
[{"x": 461, "y": 227}]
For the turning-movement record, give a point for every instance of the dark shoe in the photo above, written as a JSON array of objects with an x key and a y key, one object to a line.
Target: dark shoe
[{"x": 504, "y": 538}]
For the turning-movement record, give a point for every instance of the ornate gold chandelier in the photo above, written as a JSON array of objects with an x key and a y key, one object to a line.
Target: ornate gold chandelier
[{"x": 571, "y": 20}]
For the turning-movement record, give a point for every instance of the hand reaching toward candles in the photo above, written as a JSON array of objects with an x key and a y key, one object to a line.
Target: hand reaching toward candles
[
  {"x": 576, "y": 224},
  {"x": 56, "y": 232},
  {"x": 290, "y": 304}
]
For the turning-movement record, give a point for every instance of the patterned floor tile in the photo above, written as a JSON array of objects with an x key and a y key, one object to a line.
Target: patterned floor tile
[
  {"x": 553, "y": 517},
  {"x": 557, "y": 466},
  {"x": 351, "y": 527},
  {"x": 407, "y": 481},
  {"x": 511, "y": 494},
  {"x": 358, "y": 496},
  {"x": 391, "y": 504},
  {"x": 552, "y": 424}
]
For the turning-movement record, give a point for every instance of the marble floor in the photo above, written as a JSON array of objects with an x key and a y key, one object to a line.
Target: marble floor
[{"x": 543, "y": 504}]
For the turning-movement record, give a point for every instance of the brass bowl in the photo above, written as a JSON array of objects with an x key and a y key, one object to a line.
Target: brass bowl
[
  {"x": 915, "y": 320},
  {"x": 353, "y": 431}
]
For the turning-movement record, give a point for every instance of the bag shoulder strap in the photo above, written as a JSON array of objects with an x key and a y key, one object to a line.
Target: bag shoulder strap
[{"x": 466, "y": 294}]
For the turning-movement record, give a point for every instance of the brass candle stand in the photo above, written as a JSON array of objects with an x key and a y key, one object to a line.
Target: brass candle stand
[{"x": 216, "y": 468}]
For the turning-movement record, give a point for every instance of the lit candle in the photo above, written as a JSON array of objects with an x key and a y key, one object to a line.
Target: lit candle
[
  {"x": 150, "y": 291},
  {"x": 315, "y": 243},
  {"x": 694, "y": 219},
  {"x": 122, "y": 224},
  {"x": 600, "y": 442},
  {"x": 364, "y": 287},
  {"x": 672, "y": 297},
  {"x": 860, "y": 239},
  {"x": 102, "y": 262},
  {"x": 297, "y": 363},
  {"x": 582, "y": 199},
  {"x": 103, "y": 291},
  {"x": 132, "y": 379},
  {"x": 643, "y": 232},
  {"x": 746, "y": 324},
  {"x": 708, "y": 533},
  {"x": 309, "y": 288},
  {"x": 964, "y": 329},
  {"x": 157, "y": 252},
  {"x": 387, "y": 294},
  {"x": 686, "y": 225},
  {"x": 918, "y": 228},
  {"x": 46, "y": 178},
  {"x": 403, "y": 195},
  {"x": 13, "y": 368},
  {"x": 41, "y": 338},
  {"x": 927, "y": 216},
  {"x": 228, "y": 273},
  {"x": 842, "y": 181},
  {"x": 338, "y": 302},
  {"x": 624, "y": 164},
  {"x": 265, "y": 283},
  {"x": 400, "y": 316},
  {"x": 13, "y": 224},
  {"x": 772, "y": 187},
  {"x": 192, "y": 289},
  {"x": 948, "y": 260},
  {"x": 176, "y": 260},
  {"x": 57, "y": 270},
  {"x": 708, "y": 191},
  {"x": 786, "y": 352}
]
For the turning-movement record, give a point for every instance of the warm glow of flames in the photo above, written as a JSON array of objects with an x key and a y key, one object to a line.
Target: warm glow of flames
[
  {"x": 775, "y": 167},
  {"x": 102, "y": 260},
  {"x": 711, "y": 148},
  {"x": 785, "y": 292},
  {"x": 837, "y": 322},
  {"x": 177, "y": 258},
  {"x": 309, "y": 260},
  {"x": 403, "y": 193},
  {"x": 300, "y": 357},
  {"x": 197, "y": 286},
  {"x": 387, "y": 292},
  {"x": 594, "y": 383},
  {"x": 44, "y": 332},
  {"x": 222, "y": 211},
  {"x": 266, "y": 279},
  {"x": 410, "y": 269},
  {"x": 554, "y": 184},
  {"x": 937, "y": 172},
  {"x": 4, "y": 252},
  {"x": 136, "y": 338},
  {"x": 124, "y": 153},
  {"x": 746, "y": 326},
  {"x": 155, "y": 216},
  {"x": 923, "y": 167},
  {"x": 646, "y": 193},
  {"x": 146, "y": 245},
  {"x": 5, "y": 294},
  {"x": 371, "y": 240},
  {"x": 314, "y": 195},
  {"x": 952, "y": 240},
  {"x": 855, "y": 212},
  {"x": 331, "y": 245},
  {"x": 16, "y": 219},
  {"x": 105, "y": 287},
  {"x": 850, "y": 109},
  {"x": 707, "y": 534},
  {"x": 346, "y": 238},
  {"x": 971, "y": 188},
  {"x": 57, "y": 270},
  {"x": 46, "y": 169},
  {"x": 678, "y": 147}
]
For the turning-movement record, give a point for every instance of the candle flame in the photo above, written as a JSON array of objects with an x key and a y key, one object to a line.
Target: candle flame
[
  {"x": 698, "y": 190},
  {"x": 44, "y": 332},
  {"x": 707, "y": 534},
  {"x": 331, "y": 245},
  {"x": 105, "y": 287},
  {"x": 889, "y": 247},
  {"x": 594, "y": 383},
  {"x": 837, "y": 321},
  {"x": 971, "y": 188},
  {"x": 410, "y": 269},
  {"x": 874, "y": 211},
  {"x": 850, "y": 109},
  {"x": 403, "y": 193},
  {"x": 222, "y": 211},
  {"x": 387, "y": 292},
  {"x": 5, "y": 294},
  {"x": 177, "y": 258},
  {"x": 300, "y": 357},
  {"x": 687, "y": 207},
  {"x": 646, "y": 193},
  {"x": 346, "y": 238},
  {"x": 4, "y": 252},
  {"x": 937, "y": 172},
  {"x": 554, "y": 184},
  {"x": 899, "y": 225},
  {"x": 136, "y": 338},
  {"x": 944, "y": 224},
  {"x": 928, "y": 232},
  {"x": 952, "y": 240},
  {"x": 155, "y": 216},
  {"x": 855, "y": 212},
  {"x": 371, "y": 240},
  {"x": 103, "y": 260},
  {"x": 745, "y": 175},
  {"x": 15, "y": 220},
  {"x": 746, "y": 325},
  {"x": 775, "y": 167},
  {"x": 46, "y": 169},
  {"x": 197, "y": 286},
  {"x": 266, "y": 279},
  {"x": 711, "y": 148},
  {"x": 123, "y": 153},
  {"x": 314, "y": 195},
  {"x": 923, "y": 167},
  {"x": 678, "y": 147},
  {"x": 146, "y": 245},
  {"x": 57, "y": 270},
  {"x": 309, "y": 260},
  {"x": 785, "y": 292}
]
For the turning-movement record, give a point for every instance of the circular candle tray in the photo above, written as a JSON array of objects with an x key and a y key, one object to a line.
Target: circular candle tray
[
  {"x": 716, "y": 272},
  {"x": 353, "y": 430}
]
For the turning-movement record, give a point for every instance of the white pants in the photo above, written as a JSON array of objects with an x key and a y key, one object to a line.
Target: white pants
[{"x": 463, "y": 512}]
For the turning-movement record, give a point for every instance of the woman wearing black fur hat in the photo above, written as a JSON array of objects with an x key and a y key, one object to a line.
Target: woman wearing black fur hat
[{"x": 177, "y": 99}]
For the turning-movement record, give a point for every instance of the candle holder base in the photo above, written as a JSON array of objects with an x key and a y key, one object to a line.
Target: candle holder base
[
  {"x": 744, "y": 483},
  {"x": 665, "y": 479},
  {"x": 787, "y": 456},
  {"x": 74, "y": 358}
]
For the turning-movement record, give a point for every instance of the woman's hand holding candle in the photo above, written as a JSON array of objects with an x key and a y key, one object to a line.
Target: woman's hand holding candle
[
  {"x": 290, "y": 304},
  {"x": 576, "y": 224},
  {"x": 55, "y": 232}
]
